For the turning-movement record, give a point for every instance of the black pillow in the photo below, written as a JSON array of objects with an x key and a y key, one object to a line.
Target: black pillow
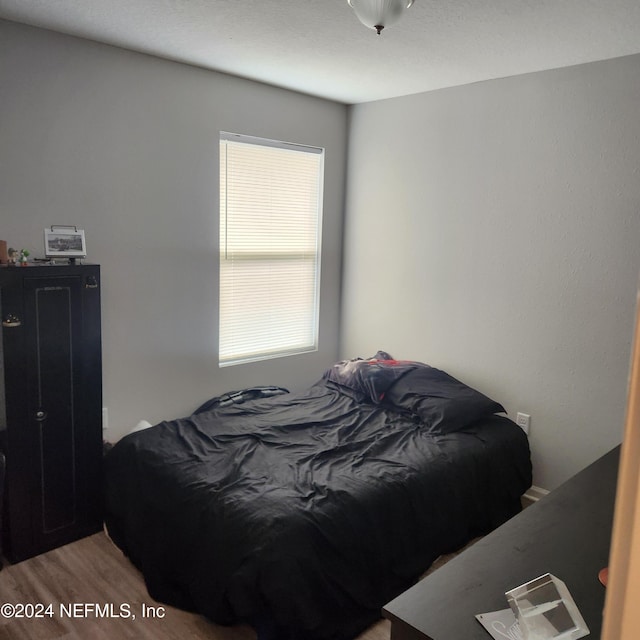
[{"x": 442, "y": 403}]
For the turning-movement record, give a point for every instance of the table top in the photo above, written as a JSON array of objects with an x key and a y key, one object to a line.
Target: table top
[{"x": 566, "y": 533}]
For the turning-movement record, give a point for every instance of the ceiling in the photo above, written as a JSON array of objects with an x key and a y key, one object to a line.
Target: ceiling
[{"x": 319, "y": 47}]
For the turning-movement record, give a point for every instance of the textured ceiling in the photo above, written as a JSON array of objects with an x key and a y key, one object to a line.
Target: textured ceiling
[{"x": 319, "y": 47}]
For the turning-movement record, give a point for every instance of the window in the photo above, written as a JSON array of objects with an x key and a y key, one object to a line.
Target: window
[{"x": 270, "y": 221}]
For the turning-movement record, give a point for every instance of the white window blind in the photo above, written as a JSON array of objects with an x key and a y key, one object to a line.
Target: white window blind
[{"x": 270, "y": 222}]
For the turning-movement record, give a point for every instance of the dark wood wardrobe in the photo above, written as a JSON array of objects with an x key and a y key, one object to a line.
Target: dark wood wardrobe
[{"x": 50, "y": 406}]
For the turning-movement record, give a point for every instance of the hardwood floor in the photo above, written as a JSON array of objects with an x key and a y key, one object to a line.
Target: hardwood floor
[{"x": 92, "y": 571}]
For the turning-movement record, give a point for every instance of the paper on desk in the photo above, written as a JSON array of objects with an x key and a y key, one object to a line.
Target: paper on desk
[{"x": 502, "y": 625}]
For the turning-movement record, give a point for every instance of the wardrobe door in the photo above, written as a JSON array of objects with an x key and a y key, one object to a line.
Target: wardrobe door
[{"x": 53, "y": 347}]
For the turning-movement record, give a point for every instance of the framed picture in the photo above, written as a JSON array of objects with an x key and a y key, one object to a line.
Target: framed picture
[{"x": 64, "y": 242}]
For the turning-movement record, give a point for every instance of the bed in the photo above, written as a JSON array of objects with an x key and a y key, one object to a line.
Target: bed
[{"x": 303, "y": 513}]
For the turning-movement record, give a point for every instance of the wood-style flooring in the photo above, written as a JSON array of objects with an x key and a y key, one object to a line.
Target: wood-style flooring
[
  {"x": 109, "y": 595},
  {"x": 92, "y": 571}
]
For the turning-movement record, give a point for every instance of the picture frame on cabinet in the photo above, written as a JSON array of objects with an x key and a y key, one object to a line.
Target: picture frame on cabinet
[{"x": 64, "y": 242}]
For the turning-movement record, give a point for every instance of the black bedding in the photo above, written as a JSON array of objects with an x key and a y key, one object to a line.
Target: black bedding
[{"x": 309, "y": 511}]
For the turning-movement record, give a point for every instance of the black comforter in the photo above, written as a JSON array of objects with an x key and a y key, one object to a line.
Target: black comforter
[{"x": 307, "y": 510}]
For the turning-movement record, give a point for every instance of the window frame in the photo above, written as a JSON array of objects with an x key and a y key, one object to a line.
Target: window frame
[{"x": 312, "y": 326}]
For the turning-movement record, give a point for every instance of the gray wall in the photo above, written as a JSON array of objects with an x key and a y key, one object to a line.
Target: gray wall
[
  {"x": 126, "y": 146},
  {"x": 493, "y": 230}
]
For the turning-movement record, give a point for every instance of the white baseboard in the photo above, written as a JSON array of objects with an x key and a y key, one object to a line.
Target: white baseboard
[{"x": 535, "y": 493}]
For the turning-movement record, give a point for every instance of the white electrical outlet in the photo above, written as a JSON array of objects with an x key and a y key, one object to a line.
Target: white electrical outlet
[
  {"x": 105, "y": 418},
  {"x": 523, "y": 420}
]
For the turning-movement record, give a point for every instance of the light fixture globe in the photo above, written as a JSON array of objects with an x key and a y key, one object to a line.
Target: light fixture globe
[{"x": 378, "y": 14}]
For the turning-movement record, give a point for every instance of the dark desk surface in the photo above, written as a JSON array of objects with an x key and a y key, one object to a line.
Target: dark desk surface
[{"x": 566, "y": 533}]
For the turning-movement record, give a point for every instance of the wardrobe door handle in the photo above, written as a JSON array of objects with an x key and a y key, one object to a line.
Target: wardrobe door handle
[{"x": 41, "y": 416}]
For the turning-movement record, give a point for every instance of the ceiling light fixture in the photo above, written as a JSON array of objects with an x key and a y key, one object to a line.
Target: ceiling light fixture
[{"x": 378, "y": 14}]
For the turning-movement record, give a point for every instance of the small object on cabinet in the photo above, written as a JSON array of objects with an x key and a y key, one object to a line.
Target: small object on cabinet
[
  {"x": 62, "y": 241},
  {"x": 11, "y": 320}
]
